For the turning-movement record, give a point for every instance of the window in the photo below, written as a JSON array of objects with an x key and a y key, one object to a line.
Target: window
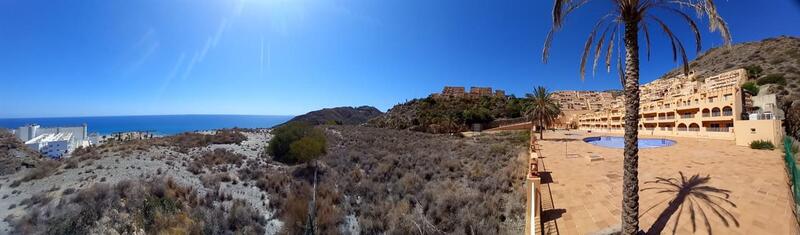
[{"x": 727, "y": 97}]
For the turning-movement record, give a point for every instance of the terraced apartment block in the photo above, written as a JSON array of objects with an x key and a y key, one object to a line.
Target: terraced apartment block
[{"x": 687, "y": 106}]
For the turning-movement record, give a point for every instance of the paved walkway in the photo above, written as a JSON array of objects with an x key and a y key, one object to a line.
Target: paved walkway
[{"x": 706, "y": 186}]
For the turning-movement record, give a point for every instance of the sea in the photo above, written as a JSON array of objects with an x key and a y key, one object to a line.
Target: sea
[{"x": 157, "y": 124}]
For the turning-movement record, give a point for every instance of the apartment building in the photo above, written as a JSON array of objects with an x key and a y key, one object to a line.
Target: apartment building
[{"x": 688, "y": 107}]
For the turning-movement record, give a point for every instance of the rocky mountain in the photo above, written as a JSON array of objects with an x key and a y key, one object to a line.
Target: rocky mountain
[{"x": 339, "y": 115}]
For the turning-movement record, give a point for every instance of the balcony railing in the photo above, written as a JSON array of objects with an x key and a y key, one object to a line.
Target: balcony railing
[
  {"x": 715, "y": 114},
  {"x": 706, "y": 114},
  {"x": 727, "y": 113},
  {"x": 650, "y": 118},
  {"x": 694, "y": 128},
  {"x": 687, "y": 116},
  {"x": 718, "y": 129}
]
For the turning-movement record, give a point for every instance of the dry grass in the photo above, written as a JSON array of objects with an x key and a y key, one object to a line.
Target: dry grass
[
  {"x": 216, "y": 160},
  {"x": 159, "y": 206}
]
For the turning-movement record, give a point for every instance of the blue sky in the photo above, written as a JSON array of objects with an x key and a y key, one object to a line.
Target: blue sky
[{"x": 114, "y": 57}]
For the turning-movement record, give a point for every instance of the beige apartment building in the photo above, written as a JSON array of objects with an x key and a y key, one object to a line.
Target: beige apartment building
[{"x": 687, "y": 107}]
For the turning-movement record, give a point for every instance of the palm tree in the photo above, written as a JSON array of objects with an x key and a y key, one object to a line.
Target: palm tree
[
  {"x": 543, "y": 110},
  {"x": 632, "y": 15}
]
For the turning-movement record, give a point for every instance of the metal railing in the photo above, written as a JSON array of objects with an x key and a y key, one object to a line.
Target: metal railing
[
  {"x": 718, "y": 129},
  {"x": 687, "y": 116},
  {"x": 794, "y": 173}
]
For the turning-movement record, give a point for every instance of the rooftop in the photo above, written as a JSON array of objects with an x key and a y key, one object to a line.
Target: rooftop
[{"x": 50, "y": 138}]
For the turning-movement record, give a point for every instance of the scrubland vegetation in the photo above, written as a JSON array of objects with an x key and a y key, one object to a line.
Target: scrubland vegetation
[
  {"x": 14, "y": 155},
  {"x": 383, "y": 180},
  {"x": 403, "y": 182},
  {"x": 296, "y": 142},
  {"x": 449, "y": 115},
  {"x": 158, "y": 206}
]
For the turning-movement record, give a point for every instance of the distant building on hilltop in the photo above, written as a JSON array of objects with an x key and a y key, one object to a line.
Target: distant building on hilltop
[
  {"x": 457, "y": 91},
  {"x": 54, "y": 142}
]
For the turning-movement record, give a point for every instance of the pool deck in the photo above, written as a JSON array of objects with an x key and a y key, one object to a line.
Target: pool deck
[{"x": 581, "y": 196}]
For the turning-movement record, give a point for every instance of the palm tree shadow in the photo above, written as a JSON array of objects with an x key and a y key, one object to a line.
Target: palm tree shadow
[{"x": 692, "y": 194}]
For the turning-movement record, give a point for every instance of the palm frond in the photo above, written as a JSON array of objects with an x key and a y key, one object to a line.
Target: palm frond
[
  {"x": 646, "y": 38},
  {"x": 692, "y": 25},
  {"x": 674, "y": 41},
  {"x": 610, "y": 48},
  {"x": 599, "y": 48},
  {"x": 561, "y": 8}
]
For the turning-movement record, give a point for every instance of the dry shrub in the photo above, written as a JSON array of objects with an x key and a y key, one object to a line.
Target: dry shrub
[
  {"x": 214, "y": 159},
  {"x": 44, "y": 169},
  {"x": 186, "y": 141},
  {"x": 411, "y": 182},
  {"x": 159, "y": 206},
  {"x": 327, "y": 215}
]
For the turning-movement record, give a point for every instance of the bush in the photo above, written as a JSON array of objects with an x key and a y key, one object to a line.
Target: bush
[
  {"x": 212, "y": 159},
  {"x": 157, "y": 207},
  {"x": 762, "y": 144},
  {"x": 296, "y": 142},
  {"x": 750, "y": 87},
  {"x": 772, "y": 79},
  {"x": 754, "y": 71}
]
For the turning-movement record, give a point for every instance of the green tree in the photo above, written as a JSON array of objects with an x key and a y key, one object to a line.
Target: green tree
[
  {"x": 307, "y": 148},
  {"x": 296, "y": 142},
  {"x": 543, "y": 109},
  {"x": 750, "y": 87},
  {"x": 631, "y": 16}
]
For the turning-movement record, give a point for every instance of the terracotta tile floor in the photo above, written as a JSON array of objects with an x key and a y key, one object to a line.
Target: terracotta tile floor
[{"x": 585, "y": 197}]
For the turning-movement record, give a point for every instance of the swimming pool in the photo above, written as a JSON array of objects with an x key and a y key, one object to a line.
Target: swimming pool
[{"x": 619, "y": 142}]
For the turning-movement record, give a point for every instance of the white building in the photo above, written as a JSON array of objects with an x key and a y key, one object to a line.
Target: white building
[
  {"x": 55, "y": 142},
  {"x": 52, "y": 145}
]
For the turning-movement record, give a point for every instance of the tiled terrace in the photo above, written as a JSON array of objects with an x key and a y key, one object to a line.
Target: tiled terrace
[{"x": 583, "y": 197}]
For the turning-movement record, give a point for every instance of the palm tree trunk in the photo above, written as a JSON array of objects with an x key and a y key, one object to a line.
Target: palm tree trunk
[
  {"x": 630, "y": 178},
  {"x": 541, "y": 130}
]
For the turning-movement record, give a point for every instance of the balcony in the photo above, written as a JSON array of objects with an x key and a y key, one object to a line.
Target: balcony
[
  {"x": 687, "y": 116},
  {"x": 718, "y": 129}
]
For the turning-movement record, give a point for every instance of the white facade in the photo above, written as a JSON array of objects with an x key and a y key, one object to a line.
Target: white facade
[
  {"x": 54, "y": 142},
  {"x": 52, "y": 145}
]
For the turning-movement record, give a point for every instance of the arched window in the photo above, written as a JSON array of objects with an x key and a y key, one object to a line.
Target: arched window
[
  {"x": 681, "y": 127},
  {"x": 715, "y": 112},
  {"x": 727, "y": 111},
  {"x": 706, "y": 113},
  {"x": 694, "y": 127}
]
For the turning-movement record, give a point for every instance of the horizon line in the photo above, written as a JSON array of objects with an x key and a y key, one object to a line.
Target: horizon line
[{"x": 145, "y": 115}]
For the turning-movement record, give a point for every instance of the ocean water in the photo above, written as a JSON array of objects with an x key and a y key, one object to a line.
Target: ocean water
[{"x": 159, "y": 124}]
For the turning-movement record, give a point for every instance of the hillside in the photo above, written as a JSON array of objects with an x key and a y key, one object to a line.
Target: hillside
[
  {"x": 774, "y": 56},
  {"x": 448, "y": 115},
  {"x": 14, "y": 155},
  {"x": 339, "y": 115},
  {"x": 371, "y": 181},
  {"x": 773, "y": 64}
]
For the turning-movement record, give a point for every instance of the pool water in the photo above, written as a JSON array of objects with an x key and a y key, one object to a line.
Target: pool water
[{"x": 619, "y": 142}]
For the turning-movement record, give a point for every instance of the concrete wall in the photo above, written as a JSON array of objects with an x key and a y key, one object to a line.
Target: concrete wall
[{"x": 750, "y": 130}]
